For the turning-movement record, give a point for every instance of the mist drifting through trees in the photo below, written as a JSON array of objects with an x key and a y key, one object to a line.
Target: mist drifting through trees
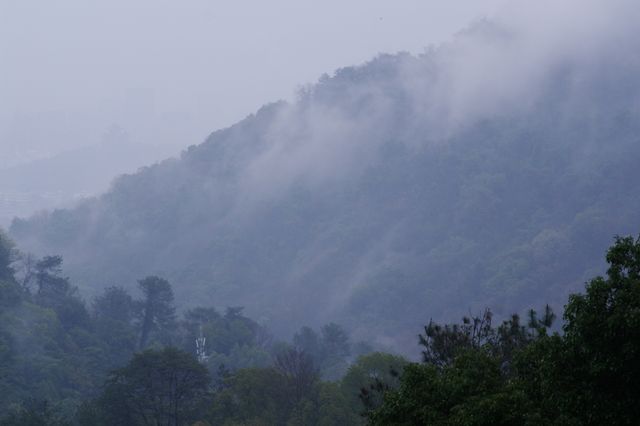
[{"x": 310, "y": 264}]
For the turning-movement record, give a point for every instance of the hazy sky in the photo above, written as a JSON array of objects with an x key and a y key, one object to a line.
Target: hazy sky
[{"x": 170, "y": 72}]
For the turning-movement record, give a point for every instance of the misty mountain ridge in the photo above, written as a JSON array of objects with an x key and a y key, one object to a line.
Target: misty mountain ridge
[
  {"x": 70, "y": 176},
  {"x": 490, "y": 171}
]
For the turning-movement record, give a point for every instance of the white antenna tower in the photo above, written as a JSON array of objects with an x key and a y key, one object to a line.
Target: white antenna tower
[{"x": 200, "y": 348}]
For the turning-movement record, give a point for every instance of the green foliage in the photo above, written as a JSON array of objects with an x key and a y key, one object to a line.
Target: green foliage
[
  {"x": 307, "y": 340},
  {"x": 7, "y": 256},
  {"x": 53, "y": 349},
  {"x": 34, "y": 413},
  {"x": 156, "y": 311},
  {"x": 113, "y": 315},
  {"x": 252, "y": 396},
  {"x": 329, "y": 407},
  {"x": 49, "y": 360},
  {"x": 55, "y": 357},
  {"x": 366, "y": 373},
  {"x": 335, "y": 349},
  {"x": 239, "y": 357},
  {"x": 590, "y": 374},
  {"x": 300, "y": 373},
  {"x": 470, "y": 391},
  {"x": 10, "y": 293},
  {"x": 56, "y": 292},
  {"x": 330, "y": 350},
  {"x": 289, "y": 394},
  {"x": 233, "y": 341},
  {"x": 442, "y": 344},
  {"x": 115, "y": 304},
  {"x": 474, "y": 374},
  {"x": 156, "y": 387}
]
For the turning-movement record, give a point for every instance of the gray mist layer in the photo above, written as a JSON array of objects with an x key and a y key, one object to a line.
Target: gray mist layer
[
  {"x": 166, "y": 73},
  {"x": 492, "y": 170}
]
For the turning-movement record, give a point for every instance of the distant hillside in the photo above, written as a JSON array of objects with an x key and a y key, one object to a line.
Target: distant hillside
[
  {"x": 482, "y": 173},
  {"x": 63, "y": 179}
]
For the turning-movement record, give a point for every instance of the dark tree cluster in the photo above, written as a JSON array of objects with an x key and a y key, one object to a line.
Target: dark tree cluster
[
  {"x": 587, "y": 374},
  {"x": 122, "y": 360},
  {"x": 128, "y": 361}
]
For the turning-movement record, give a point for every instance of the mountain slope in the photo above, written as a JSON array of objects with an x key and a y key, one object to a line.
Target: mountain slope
[
  {"x": 68, "y": 176},
  {"x": 487, "y": 172}
]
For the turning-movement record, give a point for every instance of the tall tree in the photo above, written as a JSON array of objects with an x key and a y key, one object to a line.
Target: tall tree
[
  {"x": 9, "y": 291},
  {"x": 54, "y": 291},
  {"x": 335, "y": 340},
  {"x": 307, "y": 340},
  {"x": 113, "y": 315},
  {"x": 157, "y": 313},
  {"x": 301, "y": 374},
  {"x": 602, "y": 333},
  {"x": 115, "y": 304},
  {"x": 50, "y": 283},
  {"x": 335, "y": 350},
  {"x": 7, "y": 254},
  {"x": 442, "y": 343}
]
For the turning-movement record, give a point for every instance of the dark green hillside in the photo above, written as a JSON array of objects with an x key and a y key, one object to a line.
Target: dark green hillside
[{"x": 371, "y": 201}]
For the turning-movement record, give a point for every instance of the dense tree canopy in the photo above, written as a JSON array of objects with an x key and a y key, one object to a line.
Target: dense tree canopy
[
  {"x": 587, "y": 375},
  {"x": 9, "y": 291},
  {"x": 62, "y": 363},
  {"x": 157, "y": 313},
  {"x": 165, "y": 387},
  {"x": 407, "y": 188},
  {"x": 66, "y": 362}
]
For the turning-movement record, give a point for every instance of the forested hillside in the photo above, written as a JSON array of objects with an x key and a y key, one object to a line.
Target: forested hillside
[
  {"x": 71, "y": 175},
  {"x": 481, "y": 173},
  {"x": 133, "y": 361},
  {"x": 122, "y": 359}
]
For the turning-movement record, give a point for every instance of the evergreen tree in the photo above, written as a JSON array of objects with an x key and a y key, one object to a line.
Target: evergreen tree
[{"x": 156, "y": 311}]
